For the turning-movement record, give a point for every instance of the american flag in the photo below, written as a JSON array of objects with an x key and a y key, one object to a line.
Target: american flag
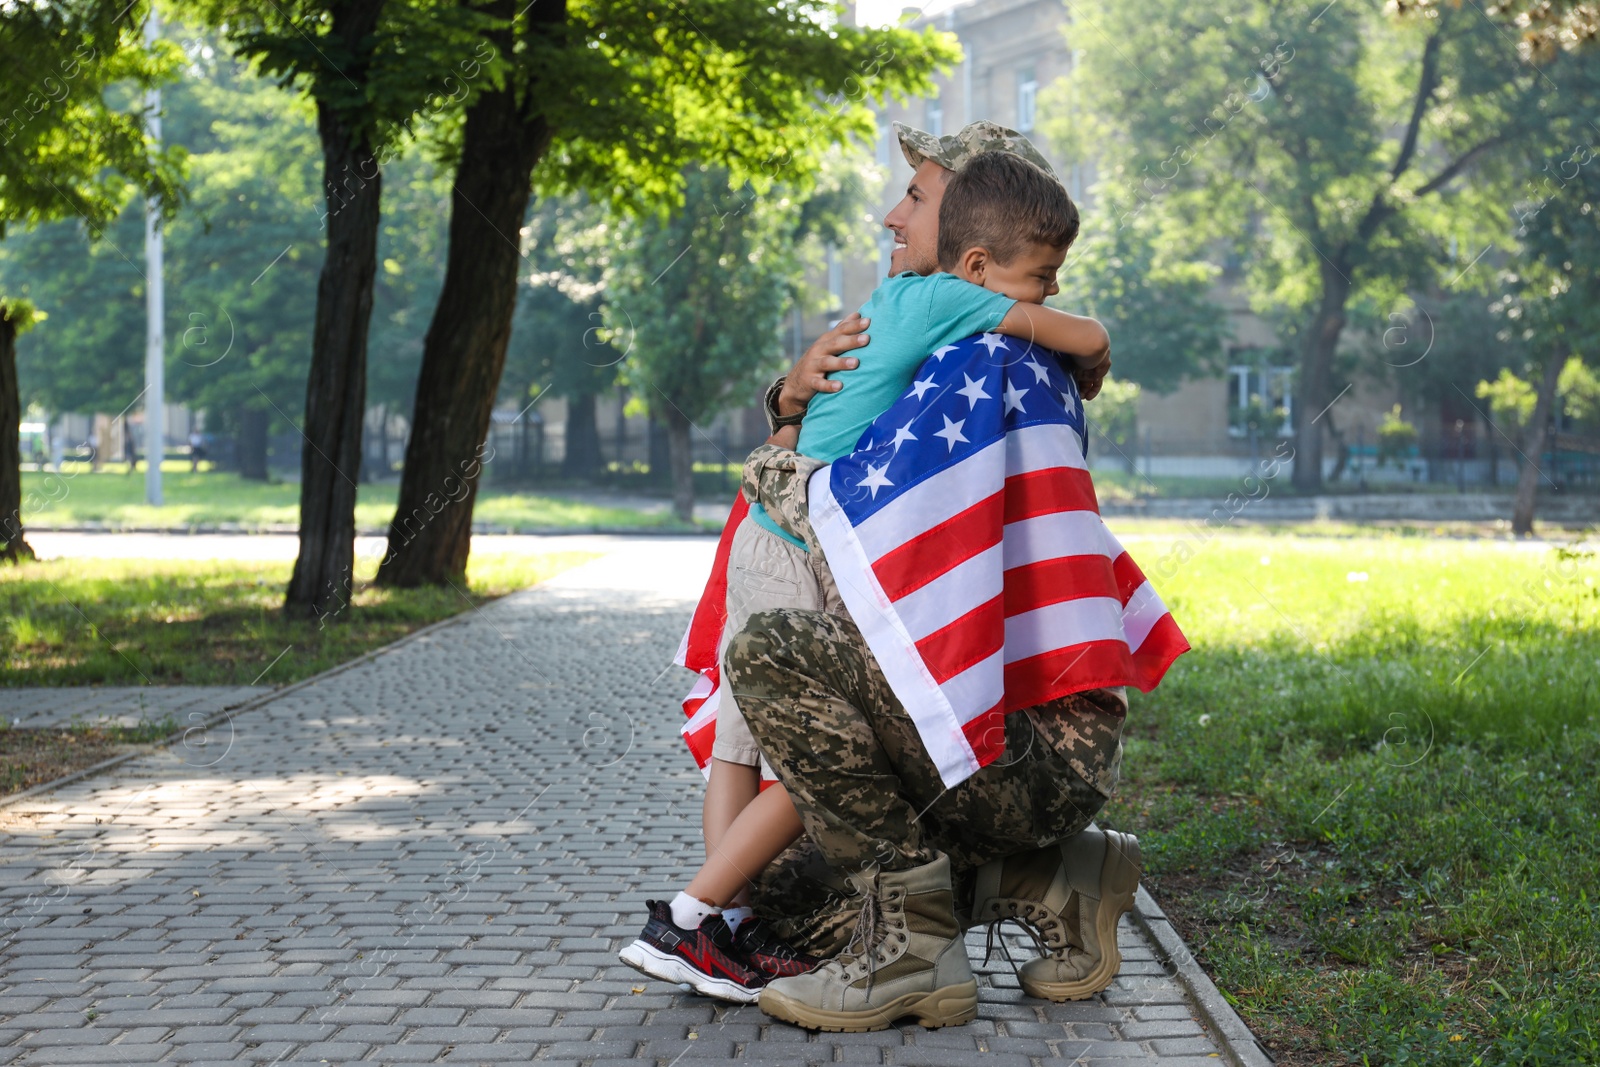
[
  {"x": 967, "y": 543},
  {"x": 698, "y": 650}
]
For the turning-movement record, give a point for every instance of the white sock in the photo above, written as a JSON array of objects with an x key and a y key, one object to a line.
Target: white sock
[
  {"x": 687, "y": 911},
  {"x": 734, "y": 916}
]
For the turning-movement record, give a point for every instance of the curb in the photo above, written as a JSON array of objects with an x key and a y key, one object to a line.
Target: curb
[
  {"x": 1239, "y": 1046},
  {"x": 226, "y": 714}
]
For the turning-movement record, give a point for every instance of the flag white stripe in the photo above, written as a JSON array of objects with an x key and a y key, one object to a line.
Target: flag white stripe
[
  {"x": 1044, "y": 536},
  {"x": 979, "y": 687},
  {"x": 1144, "y": 610},
  {"x": 1071, "y": 622}
]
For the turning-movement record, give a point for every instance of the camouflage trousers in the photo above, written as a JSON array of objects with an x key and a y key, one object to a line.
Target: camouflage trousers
[{"x": 865, "y": 787}]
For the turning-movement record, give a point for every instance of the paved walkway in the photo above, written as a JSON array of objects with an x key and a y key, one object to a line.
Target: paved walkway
[
  {"x": 433, "y": 856},
  {"x": 127, "y": 705}
]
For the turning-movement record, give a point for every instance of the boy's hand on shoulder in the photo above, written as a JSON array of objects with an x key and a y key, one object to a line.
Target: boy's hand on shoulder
[{"x": 1090, "y": 379}]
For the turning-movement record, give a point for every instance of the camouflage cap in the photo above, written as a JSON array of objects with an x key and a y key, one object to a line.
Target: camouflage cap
[{"x": 953, "y": 151}]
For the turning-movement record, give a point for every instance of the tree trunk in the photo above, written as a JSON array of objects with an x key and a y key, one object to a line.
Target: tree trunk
[
  {"x": 336, "y": 387},
  {"x": 658, "y": 454},
  {"x": 250, "y": 444},
  {"x": 465, "y": 349},
  {"x": 582, "y": 458},
  {"x": 13, "y": 545},
  {"x": 1316, "y": 377},
  {"x": 1528, "y": 480},
  {"x": 680, "y": 451}
]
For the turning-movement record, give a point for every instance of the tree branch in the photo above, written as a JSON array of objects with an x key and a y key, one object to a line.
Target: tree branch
[
  {"x": 1461, "y": 162},
  {"x": 1427, "y": 85}
]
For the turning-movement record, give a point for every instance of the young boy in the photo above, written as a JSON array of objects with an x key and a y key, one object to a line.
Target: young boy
[{"x": 1005, "y": 227}]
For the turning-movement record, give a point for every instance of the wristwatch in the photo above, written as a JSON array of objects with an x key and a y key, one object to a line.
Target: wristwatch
[{"x": 775, "y": 422}]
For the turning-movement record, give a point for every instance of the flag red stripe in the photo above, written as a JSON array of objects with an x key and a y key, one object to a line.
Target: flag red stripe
[
  {"x": 1043, "y": 492},
  {"x": 972, "y": 638},
  {"x": 1129, "y": 576},
  {"x": 1051, "y": 581},
  {"x": 934, "y": 552},
  {"x": 705, "y": 629},
  {"x": 1090, "y": 665},
  {"x": 1163, "y": 644},
  {"x": 987, "y": 735}
]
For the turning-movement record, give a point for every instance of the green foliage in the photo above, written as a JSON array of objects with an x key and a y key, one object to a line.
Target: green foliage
[
  {"x": 242, "y": 263},
  {"x": 1579, "y": 388},
  {"x": 1396, "y": 437},
  {"x": 1153, "y": 294},
  {"x": 69, "y": 152},
  {"x": 694, "y": 301},
  {"x": 1114, "y": 412},
  {"x": 1510, "y": 399},
  {"x": 637, "y": 93},
  {"x": 556, "y": 347}
]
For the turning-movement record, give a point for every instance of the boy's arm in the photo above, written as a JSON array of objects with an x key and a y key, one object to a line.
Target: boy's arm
[
  {"x": 1078, "y": 336},
  {"x": 775, "y": 477}
]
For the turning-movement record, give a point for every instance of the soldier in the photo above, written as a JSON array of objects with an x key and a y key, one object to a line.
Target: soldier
[{"x": 895, "y": 865}]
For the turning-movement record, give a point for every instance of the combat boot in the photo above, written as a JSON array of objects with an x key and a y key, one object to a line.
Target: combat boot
[
  {"x": 1072, "y": 895},
  {"x": 906, "y": 958}
]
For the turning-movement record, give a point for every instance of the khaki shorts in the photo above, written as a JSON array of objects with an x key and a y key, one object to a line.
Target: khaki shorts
[{"x": 765, "y": 572}]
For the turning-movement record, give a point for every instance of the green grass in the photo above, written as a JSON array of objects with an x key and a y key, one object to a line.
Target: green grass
[
  {"x": 1368, "y": 795},
  {"x": 79, "y": 495},
  {"x": 168, "y": 622}
]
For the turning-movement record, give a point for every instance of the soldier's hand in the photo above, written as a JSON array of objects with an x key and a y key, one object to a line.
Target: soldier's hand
[{"x": 809, "y": 376}]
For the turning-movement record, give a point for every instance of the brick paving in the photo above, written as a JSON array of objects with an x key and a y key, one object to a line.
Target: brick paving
[
  {"x": 125, "y": 705},
  {"x": 433, "y": 856}
]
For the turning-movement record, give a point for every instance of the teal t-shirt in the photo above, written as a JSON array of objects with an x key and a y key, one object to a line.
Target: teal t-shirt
[{"x": 912, "y": 316}]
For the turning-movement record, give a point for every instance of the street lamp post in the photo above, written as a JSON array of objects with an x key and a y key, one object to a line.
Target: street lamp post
[{"x": 155, "y": 404}]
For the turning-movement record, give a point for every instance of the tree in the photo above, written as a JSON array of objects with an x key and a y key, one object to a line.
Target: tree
[
  {"x": 1324, "y": 144},
  {"x": 1158, "y": 306},
  {"x": 68, "y": 152},
  {"x": 1554, "y": 305},
  {"x": 612, "y": 97},
  {"x": 695, "y": 305},
  {"x": 555, "y": 348},
  {"x": 371, "y": 67}
]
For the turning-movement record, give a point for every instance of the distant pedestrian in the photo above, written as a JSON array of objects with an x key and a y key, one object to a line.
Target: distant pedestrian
[{"x": 197, "y": 449}]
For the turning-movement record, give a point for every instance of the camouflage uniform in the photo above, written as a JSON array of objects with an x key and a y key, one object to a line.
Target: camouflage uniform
[{"x": 866, "y": 789}]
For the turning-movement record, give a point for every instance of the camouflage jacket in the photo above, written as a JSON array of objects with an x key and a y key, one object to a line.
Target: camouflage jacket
[{"x": 776, "y": 479}]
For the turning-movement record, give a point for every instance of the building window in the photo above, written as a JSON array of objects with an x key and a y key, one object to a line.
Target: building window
[
  {"x": 1260, "y": 397},
  {"x": 1027, "y": 97},
  {"x": 935, "y": 118}
]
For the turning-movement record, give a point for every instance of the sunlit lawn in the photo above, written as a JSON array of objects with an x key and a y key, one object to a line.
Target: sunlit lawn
[
  {"x": 1369, "y": 795},
  {"x": 117, "y": 499},
  {"x": 169, "y": 622}
]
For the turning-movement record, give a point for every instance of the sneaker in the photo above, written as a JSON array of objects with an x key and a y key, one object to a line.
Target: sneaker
[
  {"x": 705, "y": 960},
  {"x": 768, "y": 954}
]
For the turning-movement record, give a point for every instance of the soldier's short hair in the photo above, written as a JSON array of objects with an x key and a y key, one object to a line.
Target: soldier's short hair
[{"x": 1001, "y": 202}]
